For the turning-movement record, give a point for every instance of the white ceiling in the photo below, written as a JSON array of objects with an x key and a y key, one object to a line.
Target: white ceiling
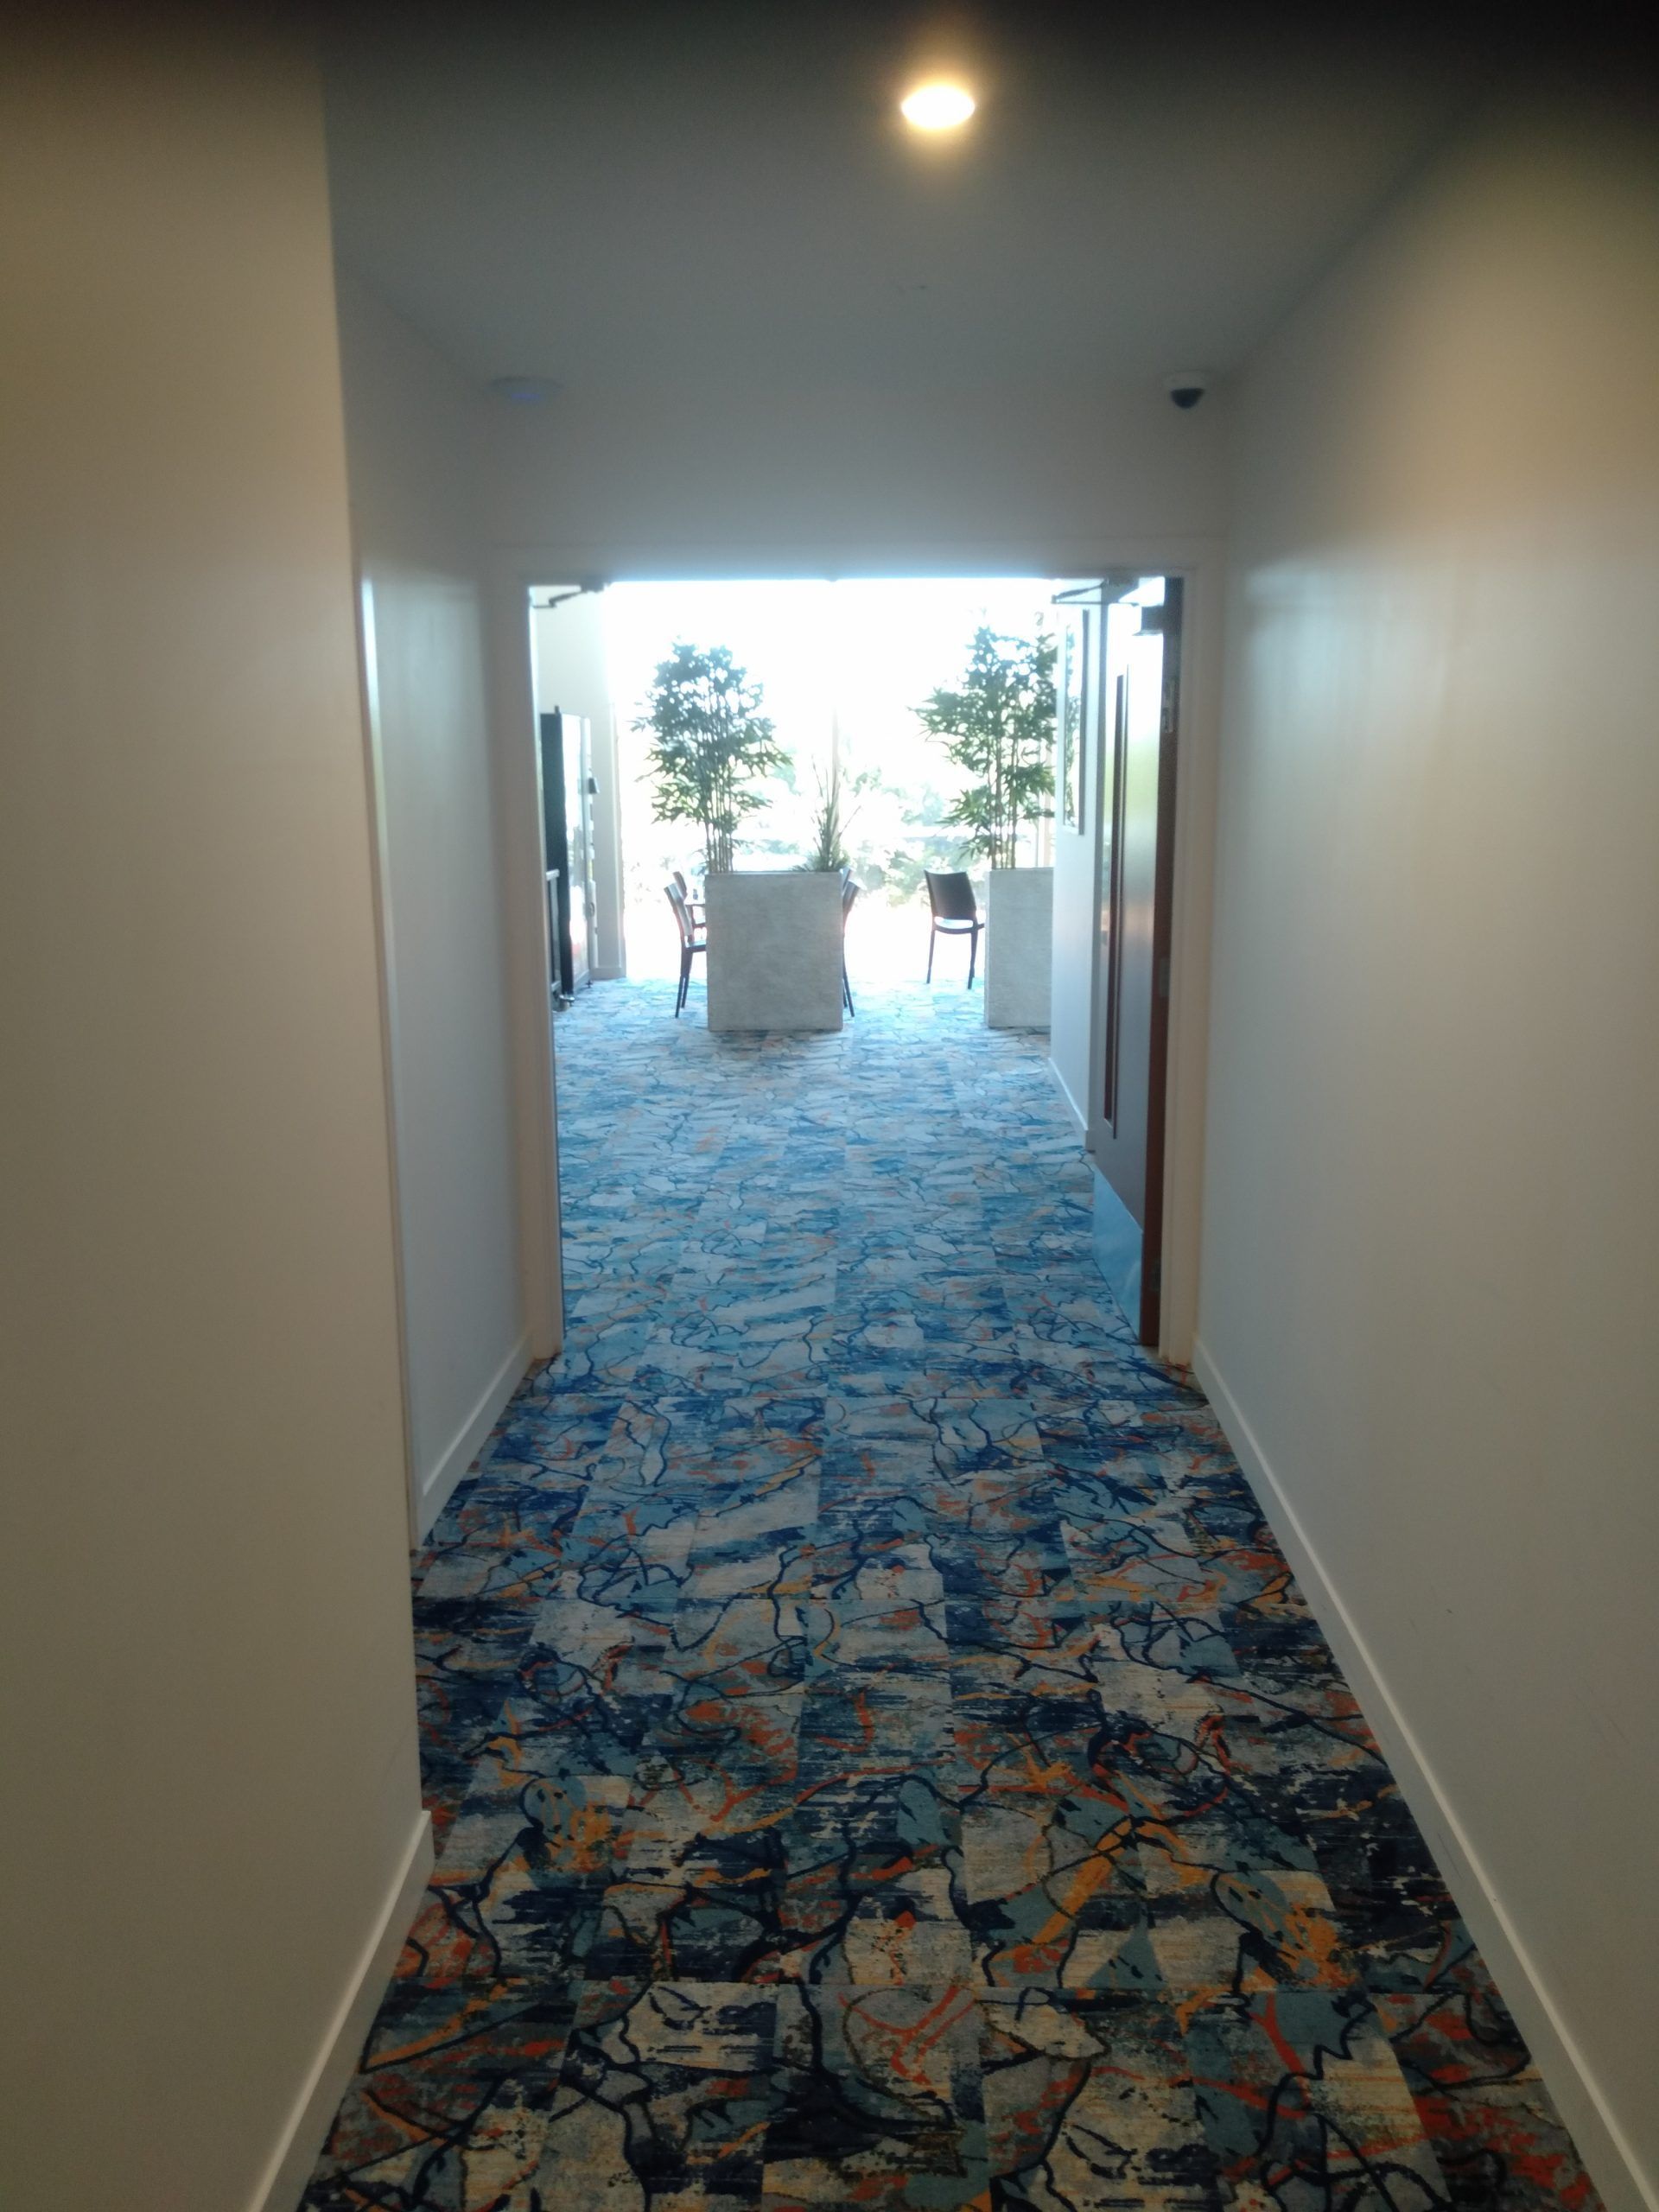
[{"x": 697, "y": 193}]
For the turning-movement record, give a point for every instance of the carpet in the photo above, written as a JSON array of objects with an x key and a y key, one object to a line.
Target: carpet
[{"x": 880, "y": 1754}]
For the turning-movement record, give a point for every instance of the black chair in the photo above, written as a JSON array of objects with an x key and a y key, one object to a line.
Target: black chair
[
  {"x": 691, "y": 942},
  {"x": 849, "y": 891},
  {"x": 955, "y": 913}
]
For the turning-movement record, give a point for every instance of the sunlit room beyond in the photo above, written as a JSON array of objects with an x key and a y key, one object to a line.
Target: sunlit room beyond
[
  {"x": 776, "y": 811},
  {"x": 884, "y": 729}
]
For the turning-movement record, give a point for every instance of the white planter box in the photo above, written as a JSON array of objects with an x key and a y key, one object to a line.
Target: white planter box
[
  {"x": 774, "y": 949},
  {"x": 1018, "y": 947}
]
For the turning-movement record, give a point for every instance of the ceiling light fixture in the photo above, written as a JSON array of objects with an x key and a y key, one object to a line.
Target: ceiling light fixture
[{"x": 936, "y": 107}]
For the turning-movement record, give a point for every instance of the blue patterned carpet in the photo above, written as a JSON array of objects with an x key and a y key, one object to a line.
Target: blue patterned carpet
[{"x": 879, "y": 1756}]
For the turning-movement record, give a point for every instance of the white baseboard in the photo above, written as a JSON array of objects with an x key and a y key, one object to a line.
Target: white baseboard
[
  {"x": 437, "y": 1483},
  {"x": 290, "y": 2166},
  {"x": 1070, "y": 1103},
  {"x": 1601, "y": 2143}
]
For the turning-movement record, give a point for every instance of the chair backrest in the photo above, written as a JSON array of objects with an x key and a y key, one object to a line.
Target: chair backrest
[
  {"x": 951, "y": 898},
  {"x": 684, "y": 887},
  {"x": 849, "y": 891},
  {"x": 682, "y": 912}
]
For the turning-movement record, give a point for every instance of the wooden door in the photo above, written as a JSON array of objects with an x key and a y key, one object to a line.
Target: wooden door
[
  {"x": 1139, "y": 724},
  {"x": 567, "y": 802},
  {"x": 1077, "y": 833}
]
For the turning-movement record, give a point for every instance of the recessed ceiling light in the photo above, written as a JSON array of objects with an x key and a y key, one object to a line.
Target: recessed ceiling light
[
  {"x": 524, "y": 391},
  {"x": 936, "y": 107}
]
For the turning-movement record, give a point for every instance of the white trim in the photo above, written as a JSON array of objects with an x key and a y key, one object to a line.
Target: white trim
[
  {"x": 1601, "y": 2143},
  {"x": 289, "y": 2167},
  {"x": 437, "y": 1484},
  {"x": 1079, "y": 1126},
  {"x": 380, "y": 869},
  {"x": 517, "y": 763}
]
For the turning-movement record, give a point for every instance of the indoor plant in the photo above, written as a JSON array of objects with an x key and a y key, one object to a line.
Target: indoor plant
[
  {"x": 829, "y": 825},
  {"x": 773, "y": 935},
  {"x": 999, "y": 727},
  {"x": 710, "y": 745}
]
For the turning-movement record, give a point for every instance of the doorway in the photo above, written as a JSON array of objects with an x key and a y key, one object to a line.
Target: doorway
[
  {"x": 1109, "y": 833},
  {"x": 841, "y": 668},
  {"x": 1117, "y": 734},
  {"x": 568, "y": 793}
]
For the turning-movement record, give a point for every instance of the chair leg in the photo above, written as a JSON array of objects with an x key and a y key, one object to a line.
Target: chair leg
[
  {"x": 973, "y": 954},
  {"x": 933, "y": 939},
  {"x": 685, "y": 979},
  {"x": 846, "y": 988}
]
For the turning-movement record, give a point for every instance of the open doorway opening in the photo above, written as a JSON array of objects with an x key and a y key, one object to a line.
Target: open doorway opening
[
  {"x": 843, "y": 672},
  {"x": 870, "y": 723}
]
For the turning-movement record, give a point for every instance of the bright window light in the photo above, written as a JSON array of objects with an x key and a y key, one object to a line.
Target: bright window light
[{"x": 936, "y": 107}]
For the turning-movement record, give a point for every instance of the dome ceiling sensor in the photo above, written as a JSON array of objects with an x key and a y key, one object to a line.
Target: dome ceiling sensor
[
  {"x": 524, "y": 392},
  {"x": 1187, "y": 387}
]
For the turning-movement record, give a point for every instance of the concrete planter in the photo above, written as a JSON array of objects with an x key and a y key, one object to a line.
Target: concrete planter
[
  {"x": 774, "y": 949},
  {"x": 1018, "y": 947}
]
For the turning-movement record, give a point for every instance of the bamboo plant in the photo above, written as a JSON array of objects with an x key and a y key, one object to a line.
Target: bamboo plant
[
  {"x": 710, "y": 747},
  {"x": 999, "y": 727},
  {"x": 830, "y": 822}
]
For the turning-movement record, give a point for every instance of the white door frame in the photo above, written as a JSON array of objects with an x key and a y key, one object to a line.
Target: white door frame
[
  {"x": 1198, "y": 560},
  {"x": 368, "y": 679},
  {"x": 517, "y": 763}
]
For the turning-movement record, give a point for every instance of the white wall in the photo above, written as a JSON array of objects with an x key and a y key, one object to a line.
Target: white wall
[
  {"x": 210, "y": 1794},
  {"x": 777, "y": 481},
  {"x": 413, "y": 443},
  {"x": 1430, "y": 1297},
  {"x": 568, "y": 643},
  {"x": 642, "y": 482}
]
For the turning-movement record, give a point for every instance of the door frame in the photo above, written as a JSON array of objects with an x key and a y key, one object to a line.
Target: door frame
[
  {"x": 1169, "y": 791},
  {"x": 368, "y": 679},
  {"x": 516, "y": 758},
  {"x": 1199, "y": 561}
]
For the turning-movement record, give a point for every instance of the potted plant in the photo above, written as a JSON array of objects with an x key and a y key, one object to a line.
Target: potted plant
[
  {"x": 775, "y": 935},
  {"x": 999, "y": 727},
  {"x": 709, "y": 746},
  {"x": 830, "y": 823}
]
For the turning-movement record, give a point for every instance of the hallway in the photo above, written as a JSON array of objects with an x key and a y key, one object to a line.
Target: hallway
[{"x": 879, "y": 1753}]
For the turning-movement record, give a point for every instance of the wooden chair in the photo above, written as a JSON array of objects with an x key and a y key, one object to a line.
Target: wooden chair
[
  {"x": 849, "y": 891},
  {"x": 955, "y": 913},
  {"x": 690, "y": 941},
  {"x": 694, "y": 906}
]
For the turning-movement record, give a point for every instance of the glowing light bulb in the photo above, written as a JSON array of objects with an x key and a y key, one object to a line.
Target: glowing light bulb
[{"x": 936, "y": 107}]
